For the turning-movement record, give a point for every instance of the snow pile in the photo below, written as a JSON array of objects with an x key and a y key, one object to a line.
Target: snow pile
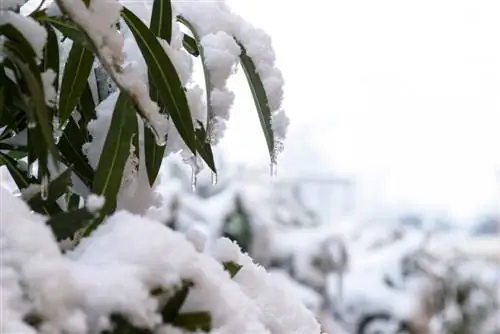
[{"x": 114, "y": 271}]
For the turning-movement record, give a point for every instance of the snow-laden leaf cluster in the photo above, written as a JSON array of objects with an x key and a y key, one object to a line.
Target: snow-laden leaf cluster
[{"x": 93, "y": 95}]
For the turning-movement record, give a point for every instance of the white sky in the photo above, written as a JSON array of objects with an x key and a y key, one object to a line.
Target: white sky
[{"x": 405, "y": 95}]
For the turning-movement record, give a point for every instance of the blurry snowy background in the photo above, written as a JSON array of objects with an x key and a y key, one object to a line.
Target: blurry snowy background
[{"x": 395, "y": 110}]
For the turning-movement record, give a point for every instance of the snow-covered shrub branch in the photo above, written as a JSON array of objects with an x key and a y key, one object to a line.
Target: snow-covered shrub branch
[
  {"x": 92, "y": 97},
  {"x": 57, "y": 59}
]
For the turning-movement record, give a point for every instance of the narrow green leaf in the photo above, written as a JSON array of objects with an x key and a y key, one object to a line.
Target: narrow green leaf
[
  {"x": 232, "y": 268},
  {"x": 86, "y": 107},
  {"x": 116, "y": 150},
  {"x": 190, "y": 45},
  {"x": 15, "y": 155},
  {"x": 23, "y": 180},
  {"x": 15, "y": 36},
  {"x": 153, "y": 155},
  {"x": 2, "y": 110},
  {"x": 56, "y": 189},
  {"x": 13, "y": 147},
  {"x": 20, "y": 176},
  {"x": 194, "y": 321},
  {"x": 66, "y": 224},
  {"x": 161, "y": 19},
  {"x": 33, "y": 80},
  {"x": 121, "y": 325},
  {"x": 73, "y": 201},
  {"x": 260, "y": 98},
  {"x": 161, "y": 26},
  {"x": 202, "y": 135},
  {"x": 75, "y": 76},
  {"x": 69, "y": 30},
  {"x": 206, "y": 73},
  {"x": 203, "y": 147},
  {"x": 70, "y": 145},
  {"x": 164, "y": 76},
  {"x": 172, "y": 308},
  {"x": 51, "y": 54}
]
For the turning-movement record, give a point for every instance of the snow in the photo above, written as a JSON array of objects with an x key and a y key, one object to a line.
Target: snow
[
  {"x": 115, "y": 268},
  {"x": 95, "y": 202},
  {"x": 34, "y": 33},
  {"x": 48, "y": 78}
]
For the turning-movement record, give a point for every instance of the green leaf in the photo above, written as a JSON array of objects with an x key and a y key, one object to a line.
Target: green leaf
[
  {"x": 161, "y": 26},
  {"x": 66, "y": 224},
  {"x": 190, "y": 45},
  {"x": 172, "y": 308},
  {"x": 203, "y": 147},
  {"x": 69, "y": 30},
  {"x": 56, "y": 189},
  {"x": 75, "y": 77},
  {"x": 153, "y": 155},
  {"x": 164, "y": 76},
  {"x": 1, "y": 101},
  {"x": 23, "y": 180},
  {"x": 73, "y": 201},
  {"x": 70, "y": 145},
  {"x": 20, "y": 176},
  {"x": 121, "y": 325},
  {"x": 206, "y": 73},
  {"x": 33, "y": 80},
  {"x": 194, "y": 321},
  {"x": 161, "y": 19},
  {"x": 116, "y": 150},
  {"x": 51, "y": 54},
  {"x": 15, "y": 155},
  {"x": 232, "y": 268},
  {"x": 260, "y": 98},
  {"x": 86, "y": 106},
  {"x": 13, "y": 147},
  {"x": 15, "y": 36}
]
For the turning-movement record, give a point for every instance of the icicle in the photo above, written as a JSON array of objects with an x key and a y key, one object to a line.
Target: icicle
[
  {"x": 278, "y": 147},
  {"x": 214, "y": 179},
  {"x": 273, "y": 168},
  {"x": 194, "y": 178},
  {"x": 44, "y": 188}
]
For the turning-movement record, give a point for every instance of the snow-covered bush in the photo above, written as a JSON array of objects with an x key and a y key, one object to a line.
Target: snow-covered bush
[{"x": 93, "y": 95}]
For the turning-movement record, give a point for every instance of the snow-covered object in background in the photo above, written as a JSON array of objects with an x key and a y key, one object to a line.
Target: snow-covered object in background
[{"x": 114, "y": 270}]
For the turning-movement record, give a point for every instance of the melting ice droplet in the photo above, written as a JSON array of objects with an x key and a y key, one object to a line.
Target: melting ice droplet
[{"x": 273, "y": 168}]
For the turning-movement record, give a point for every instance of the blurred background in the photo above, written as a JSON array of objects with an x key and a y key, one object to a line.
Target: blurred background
[{"x": 384, "y": 214}]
